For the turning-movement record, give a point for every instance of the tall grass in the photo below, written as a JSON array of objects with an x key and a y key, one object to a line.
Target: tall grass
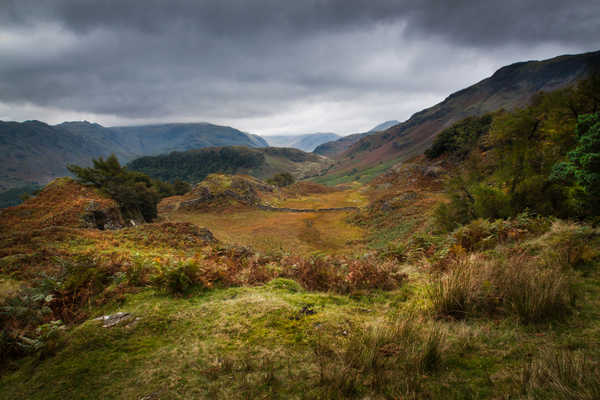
[
  {"x": 389, "y": 359},
  {"x": 561, "y": 375},
  {"x": 518, "y": 285}
]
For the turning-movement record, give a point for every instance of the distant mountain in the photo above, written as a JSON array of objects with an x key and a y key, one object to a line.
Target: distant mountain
[
  {"x": 338, "y": 146},
  {"x": 156, "y": 139},
  {"x": 34, "y": 152},
  {"x": 384, "y": 126},
  {"x": 307, "y": 142},
  {"x": 194, "y": 165},
  {"x": 510, "y": 87}
]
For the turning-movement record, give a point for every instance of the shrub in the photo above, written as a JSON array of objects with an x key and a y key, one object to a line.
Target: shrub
[
  {"x": 569, "y": 245},
  {"x": 281, "y": 180},
  {"x": 178, "y": 278},
  {"x": 343, "y": 276}
]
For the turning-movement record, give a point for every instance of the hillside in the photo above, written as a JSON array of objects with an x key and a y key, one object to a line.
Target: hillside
[
  {"x": 307, "y": 142},
  {"x": 510, "y": 87},
  {"x": 335, "y": 148},
  {"x": 263, "y": 163},
  {"x": 34, "y": 152}
]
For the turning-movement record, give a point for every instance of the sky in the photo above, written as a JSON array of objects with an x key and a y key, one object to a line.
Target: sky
[{"x": 268, "y": 66}]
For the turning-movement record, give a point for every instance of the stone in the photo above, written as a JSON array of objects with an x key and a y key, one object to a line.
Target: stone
[{"x": 108, "y": 321}]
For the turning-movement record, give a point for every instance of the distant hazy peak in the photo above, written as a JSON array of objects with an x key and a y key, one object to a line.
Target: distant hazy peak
[{"x": 385, "y": 125}]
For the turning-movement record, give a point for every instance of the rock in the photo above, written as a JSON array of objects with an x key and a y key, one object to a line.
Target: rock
[{"x": 108, "y": 321}]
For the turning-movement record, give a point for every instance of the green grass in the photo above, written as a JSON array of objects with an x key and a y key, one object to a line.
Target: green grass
[
  {"x": 363, "y": 175},
  {"x": 261, "y": 342}
]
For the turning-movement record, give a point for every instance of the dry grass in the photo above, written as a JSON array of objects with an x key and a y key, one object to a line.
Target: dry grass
[
  {"x": 519, "y": 285},
  {"x": 561, "y": 375},
  {"x": 387, "y": 358},
  {"x": 269, "y": 232}
]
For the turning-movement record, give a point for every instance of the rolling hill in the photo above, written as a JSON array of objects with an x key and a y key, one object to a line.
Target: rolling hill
[
  {"x": 194, "y": 165},
  {"x": 34, "y": 152},
  {"x": 510, "y": 87}
]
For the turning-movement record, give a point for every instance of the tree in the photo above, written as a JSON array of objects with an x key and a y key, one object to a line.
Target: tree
[
  {"x": 136, "y": 193},
  {"x": 582, "y": 169},
  {"x": 283, "y": 179}
]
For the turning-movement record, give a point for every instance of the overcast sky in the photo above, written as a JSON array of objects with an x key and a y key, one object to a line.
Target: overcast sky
[{"x": 268, "y": 66}]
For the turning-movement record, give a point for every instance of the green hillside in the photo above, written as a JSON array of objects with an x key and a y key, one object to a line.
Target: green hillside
[{"x": 195, "y": 165}]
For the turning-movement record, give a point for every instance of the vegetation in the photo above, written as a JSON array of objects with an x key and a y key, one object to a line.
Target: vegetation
[
  {"x": 458, "y": 140},
  {"x": 492, "y": 295},
  {"x": 194, "y": 165},
  {"x": 136, "y": 193},
  {"x": 539, "y": 158},
  {"x": 281, "y": 180}
]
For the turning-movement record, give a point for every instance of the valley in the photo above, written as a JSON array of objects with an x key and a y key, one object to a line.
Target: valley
[{"x": 455, "y": 255}]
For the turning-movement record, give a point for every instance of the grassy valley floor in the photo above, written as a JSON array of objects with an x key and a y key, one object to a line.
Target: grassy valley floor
[{"x": 208, "y": 320}]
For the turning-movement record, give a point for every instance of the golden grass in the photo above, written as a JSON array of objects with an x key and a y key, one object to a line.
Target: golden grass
[{"x": 268, "y": 231}]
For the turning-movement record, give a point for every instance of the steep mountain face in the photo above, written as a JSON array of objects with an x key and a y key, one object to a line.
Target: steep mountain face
[
  {"x": 337, "y": 147},
  {"x": 510, "y": 87},
  {"x": 194, "y": 165},
  {"x": 306, "y": 142},
  {"x": 34, "y": 152}
]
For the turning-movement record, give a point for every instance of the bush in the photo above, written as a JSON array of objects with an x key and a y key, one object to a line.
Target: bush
[
  {"x": 342, "y": 275},
  {"x": 178, "y": 278},
  {"x": 569, "y": 245},
  {"x": 281, "y": 180}
]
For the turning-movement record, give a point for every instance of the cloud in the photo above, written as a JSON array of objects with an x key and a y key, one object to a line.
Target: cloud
[{"x": 267, "y": 66}]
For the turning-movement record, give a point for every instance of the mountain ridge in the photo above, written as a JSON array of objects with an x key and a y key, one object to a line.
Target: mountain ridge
[
  {"x": 35, "y": 152},
  {"x": 510, "y": 87}
]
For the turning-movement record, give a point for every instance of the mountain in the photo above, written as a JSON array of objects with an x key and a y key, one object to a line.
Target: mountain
[
  {"x": 156, "y": 139},
  {"x": 385, "y": 125},
  {"x": 336, "y": 147},
  {"x": 34, "y": 152},
  {"x": 262, "y": 163},
  {"x": 307, "y": 142},
  {"x": 510, "y": 87}
]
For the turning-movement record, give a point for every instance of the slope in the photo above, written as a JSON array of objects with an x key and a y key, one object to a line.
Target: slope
[
  {"x": 336, "y": 147},
  {"x": 307, "y": 142},
  {"x": 510, "y": 87},
  {"x": 195, "y": 165},
  {"x": 34, "y": 152}
]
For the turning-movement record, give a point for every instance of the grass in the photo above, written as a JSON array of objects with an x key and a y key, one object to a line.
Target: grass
[
  {"x": 268, "y": 231},
  {"x": 363, "y": 176},
  {"x": 505, "y": 309}
]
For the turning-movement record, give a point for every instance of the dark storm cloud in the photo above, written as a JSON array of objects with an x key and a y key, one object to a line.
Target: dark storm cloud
[{"x": 264, "y": 59}]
